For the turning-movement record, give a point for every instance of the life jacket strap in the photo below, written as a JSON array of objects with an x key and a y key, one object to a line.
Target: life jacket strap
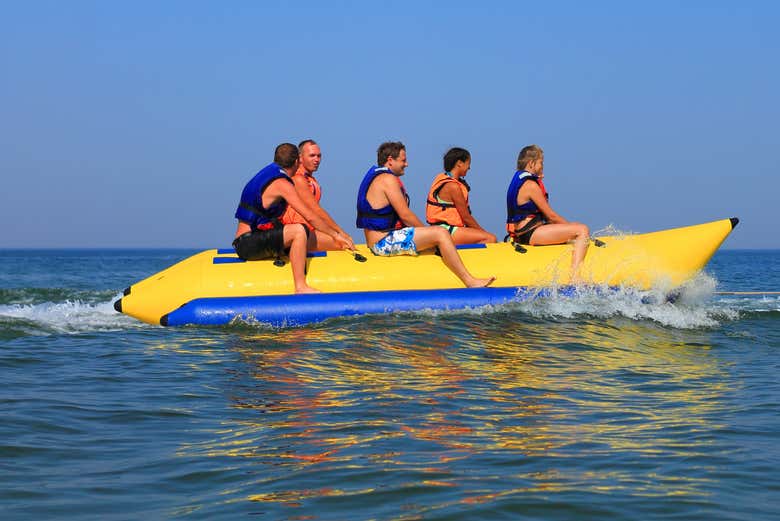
[
  {"x": 440, "y": 204},
  {"x": 374, "y": 215},
  {"x": 254, "y": 209}
]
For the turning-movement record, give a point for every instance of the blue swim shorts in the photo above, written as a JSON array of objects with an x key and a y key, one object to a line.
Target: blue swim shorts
[{"x": 397, "y": 242}]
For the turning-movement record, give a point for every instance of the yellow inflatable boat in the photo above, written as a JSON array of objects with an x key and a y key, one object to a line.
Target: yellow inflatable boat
[{"x": 216, "y": 287}]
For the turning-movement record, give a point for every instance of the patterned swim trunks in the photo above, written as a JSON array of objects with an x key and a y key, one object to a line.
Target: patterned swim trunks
[{"x": 397, "y": 242}]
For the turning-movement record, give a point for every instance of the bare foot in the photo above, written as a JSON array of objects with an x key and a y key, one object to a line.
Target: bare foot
[
  {"x": 481, "y": 283},
  {"x": 306, "y": 289}
]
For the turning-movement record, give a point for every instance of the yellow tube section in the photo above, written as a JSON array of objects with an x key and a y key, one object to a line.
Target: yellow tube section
[{"x": 660, "y": 259}]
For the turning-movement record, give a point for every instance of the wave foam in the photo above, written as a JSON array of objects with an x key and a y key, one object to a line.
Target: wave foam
[
  {"x": 696, "y": 305},
  {"x": 71, "y": 316},
  {"x": 691, "y": 307}
]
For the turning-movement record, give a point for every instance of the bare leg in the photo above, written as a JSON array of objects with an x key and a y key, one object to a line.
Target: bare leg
[
  {"x": 472, "y": 236},
  {"x": 562, "y": 233},
  {"x": 431, "y": 236},
  {"x": 294, "y": 237},
  {"x": 319, "y": 241}
]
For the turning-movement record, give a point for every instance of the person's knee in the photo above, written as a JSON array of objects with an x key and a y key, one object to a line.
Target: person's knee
[
  {"x": 295, "y": 231},
  {"x": 440, "y": 234},
  {"x": 583, "y": 230}
]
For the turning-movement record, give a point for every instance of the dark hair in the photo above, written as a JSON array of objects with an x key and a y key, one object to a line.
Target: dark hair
[
  {"x": 387, "y": 150},
  {"x": 454, "y": 155},
  {"x": 304, "y": 143},
  {"x": 528, "y": 154},
  {"x": 285, "y": 155}
]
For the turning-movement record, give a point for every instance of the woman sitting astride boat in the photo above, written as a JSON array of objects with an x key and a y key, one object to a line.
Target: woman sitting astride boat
[{"x": 530, "y": 218}]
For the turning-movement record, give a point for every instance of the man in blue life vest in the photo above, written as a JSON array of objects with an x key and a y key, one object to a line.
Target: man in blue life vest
[
  {"x": 260, "y": 233},
  {"x": 391, "y": 228}
]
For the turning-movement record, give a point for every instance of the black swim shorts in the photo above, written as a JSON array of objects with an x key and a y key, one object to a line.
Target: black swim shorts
[
  {"x": 260, "y": 244},
  {"x": 523, "y": 235}
]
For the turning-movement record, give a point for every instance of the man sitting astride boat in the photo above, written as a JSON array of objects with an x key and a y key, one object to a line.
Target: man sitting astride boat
[
  {"x": 308, "y": 189},
  {"x": 260, "y": 234},
  {"x": 531, "y": 220},
  {"x": 391, "y": 228},
  {"x": 448, "y": 201}
]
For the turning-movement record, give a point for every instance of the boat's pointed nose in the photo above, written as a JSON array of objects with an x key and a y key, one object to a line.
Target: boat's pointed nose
[
  {"x": 118, "y": 305},
  {"x": 734, "y": 222}
]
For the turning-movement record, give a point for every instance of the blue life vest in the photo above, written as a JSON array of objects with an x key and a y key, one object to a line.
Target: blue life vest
[
  {"x": 518, "y": 212},
  {"x": 382, "y": 219},
  {"x": 251, "y": 209}
]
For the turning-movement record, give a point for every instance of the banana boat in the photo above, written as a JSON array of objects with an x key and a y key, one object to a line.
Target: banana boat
[{"x": 215, "y": 287}]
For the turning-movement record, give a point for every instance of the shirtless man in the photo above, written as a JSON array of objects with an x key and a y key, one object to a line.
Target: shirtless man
[
  {"x": 391, "y": 228},
  {"x": 308, "y": 189},
  {"x": 261, "y": 235}
]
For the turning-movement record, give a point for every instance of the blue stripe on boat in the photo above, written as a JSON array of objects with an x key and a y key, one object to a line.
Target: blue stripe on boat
[
  {"x": 226, "y": 260},
  {"x": 298, "y": 310},
  {"x": 233, "y": 260}
]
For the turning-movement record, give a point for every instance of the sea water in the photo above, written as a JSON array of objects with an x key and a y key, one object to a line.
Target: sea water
[{"x": 592, "y": 407}]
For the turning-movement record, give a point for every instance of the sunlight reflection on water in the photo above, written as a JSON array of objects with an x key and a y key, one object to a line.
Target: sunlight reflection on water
[{"x": 491, "y": 411}]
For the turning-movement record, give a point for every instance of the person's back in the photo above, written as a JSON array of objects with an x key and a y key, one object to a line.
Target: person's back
[
  {"x": 390, "y": 227},
  {"x": 260, "y": 234},
  {"x": 447, "y": 204}
]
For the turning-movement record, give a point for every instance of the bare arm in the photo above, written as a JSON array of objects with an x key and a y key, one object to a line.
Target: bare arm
[
  {"x": 304, "y": 192},
  {"x": 392, "y": 190},
  {"x": 283, "y": 189},
  {"x": 534, "y": 193},
  {"x": 454, "y": 194}
]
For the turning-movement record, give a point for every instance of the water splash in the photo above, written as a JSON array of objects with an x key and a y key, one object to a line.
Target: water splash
[
  {"x": 611, "y": 230},
  {"x": 68, "y": 317},
  {"x": 695, "y": 305},
  {"x": 691, "y": 307}
]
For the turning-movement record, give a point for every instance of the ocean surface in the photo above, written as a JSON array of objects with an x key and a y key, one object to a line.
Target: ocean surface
[{"x": 586, "y": 408}]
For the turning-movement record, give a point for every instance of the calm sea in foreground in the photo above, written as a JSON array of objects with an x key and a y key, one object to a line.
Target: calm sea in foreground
[{"x": 586, "y": 408}]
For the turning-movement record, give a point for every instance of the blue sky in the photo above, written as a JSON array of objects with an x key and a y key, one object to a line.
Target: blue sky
[{"x": 136, "y": 124}]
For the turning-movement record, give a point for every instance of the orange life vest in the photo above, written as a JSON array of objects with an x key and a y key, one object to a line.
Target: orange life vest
[
  {"x": 290, "y": 215},
  {"x": 442, "y": 212}
]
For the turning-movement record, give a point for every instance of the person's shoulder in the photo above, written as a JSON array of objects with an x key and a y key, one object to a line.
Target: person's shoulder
[
  {"x": 385, "y": 176},
  {"x": 281, "y": 182},
  {"x": 387, "y": 181},
  {"x": 300, "y": 172},
  {"x": 300, "y": 179},
  {"x": 534, "y": 186}
]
